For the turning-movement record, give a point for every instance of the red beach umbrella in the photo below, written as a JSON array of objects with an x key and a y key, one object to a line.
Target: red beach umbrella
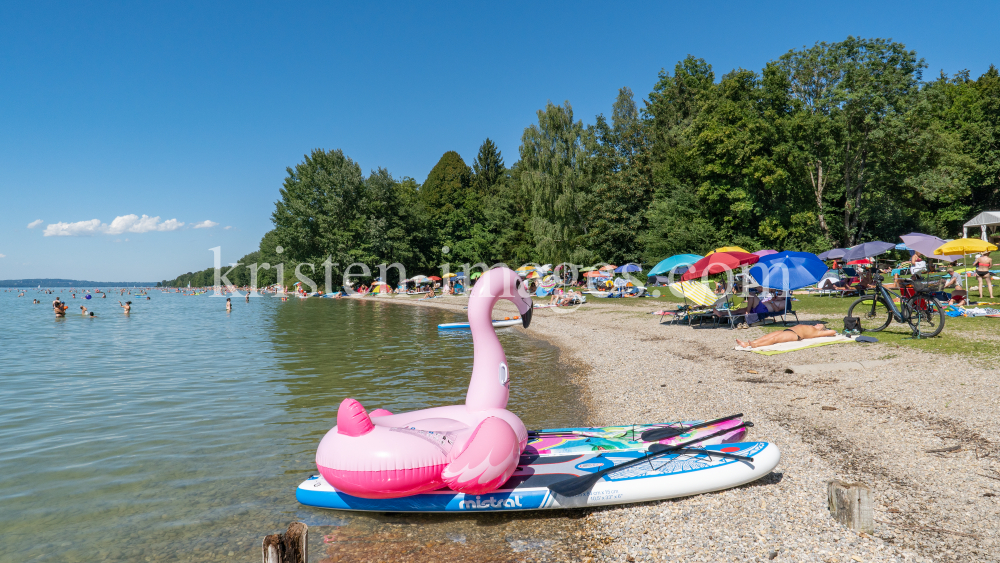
[
  {"x": 718, "y": 263},
  {"x": 435, "y": 278}
]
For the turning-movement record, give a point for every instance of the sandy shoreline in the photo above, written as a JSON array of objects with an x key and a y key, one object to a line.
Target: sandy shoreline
[{"x": 928, "y": 506}]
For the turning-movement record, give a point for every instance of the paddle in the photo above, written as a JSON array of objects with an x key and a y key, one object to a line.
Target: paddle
[
  {"x": 657, "y": 434},
  {"x": 659, "y": 447},
  {"x": 576, "y": 485}
]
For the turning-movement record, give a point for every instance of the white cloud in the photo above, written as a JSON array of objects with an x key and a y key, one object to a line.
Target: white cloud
[
  {"x": 206, "y": 224},
  {"x": 34, "y": 223},
  {"x": 227, "y": 227},
  {"x": 3, "y": 255},
  {"x": 122, "y": 224},
  {"x": 78, "y": 229}
]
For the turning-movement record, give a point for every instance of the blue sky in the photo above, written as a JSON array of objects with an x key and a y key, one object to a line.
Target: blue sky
[{"x": 191, "y": 111}]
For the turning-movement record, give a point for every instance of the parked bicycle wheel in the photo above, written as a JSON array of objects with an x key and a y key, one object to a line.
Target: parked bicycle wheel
[
  {"x": 875, "y": 315},
  {"x": 926, "y": 316}
]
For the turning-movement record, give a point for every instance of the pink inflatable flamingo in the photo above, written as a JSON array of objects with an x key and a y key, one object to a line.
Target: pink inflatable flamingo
[{"x": 471, "y": 448}]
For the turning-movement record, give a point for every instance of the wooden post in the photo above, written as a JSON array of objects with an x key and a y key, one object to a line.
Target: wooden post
[
  {"x": 290, "y": 547},
  {"x": 851, "y": 505}
]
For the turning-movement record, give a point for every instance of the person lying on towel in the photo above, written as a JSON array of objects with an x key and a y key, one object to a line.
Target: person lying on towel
[{"x": 792, "y": 334}]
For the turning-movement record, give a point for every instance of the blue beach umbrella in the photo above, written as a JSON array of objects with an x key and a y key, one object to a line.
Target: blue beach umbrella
[
  {"x": 627, "y": 268},
  {"x": 674, "y": 261},
  {"x": 788, "y": 270}
]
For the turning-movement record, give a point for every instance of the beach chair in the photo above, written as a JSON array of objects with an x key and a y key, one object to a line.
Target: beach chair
[
  {"x": 698, "y": 300},
  {"x": 727, "y": 307},
  {"x": 789, "y": 310}
]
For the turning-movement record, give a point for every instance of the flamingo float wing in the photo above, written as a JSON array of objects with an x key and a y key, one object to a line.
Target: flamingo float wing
[{"x": 488, "y": 460}]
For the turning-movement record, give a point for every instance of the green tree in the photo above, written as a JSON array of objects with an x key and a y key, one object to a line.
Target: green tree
[
  {"x": 488, "y": 168},
  {"x": 623, "y": 183},
  {"x": 556, "y": 172}
]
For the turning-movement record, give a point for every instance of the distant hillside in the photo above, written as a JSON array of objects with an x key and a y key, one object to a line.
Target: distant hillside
[{"x": 46, "y": 282}]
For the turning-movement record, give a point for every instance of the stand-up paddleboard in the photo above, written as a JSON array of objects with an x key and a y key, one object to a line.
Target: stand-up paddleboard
[
  {"x": 496, "y": 324},
  {"x": 668, "y": 476},
  {"x": 560, "y": 441}
]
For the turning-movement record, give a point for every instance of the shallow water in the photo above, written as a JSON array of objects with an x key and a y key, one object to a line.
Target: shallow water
[{"x": 179, "y": 432}]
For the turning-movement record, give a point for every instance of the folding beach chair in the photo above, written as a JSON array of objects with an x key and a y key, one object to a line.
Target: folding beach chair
[
  {"x": 789, "y": 310},
  {"x": 726, "y": 307},
  {"x": 696, "y": 294}
]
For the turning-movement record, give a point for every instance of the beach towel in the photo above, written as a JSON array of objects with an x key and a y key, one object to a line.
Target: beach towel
[{"x": 784, "y": 347}]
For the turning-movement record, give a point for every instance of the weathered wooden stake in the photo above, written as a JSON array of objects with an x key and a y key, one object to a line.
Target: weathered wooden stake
[
  {"x": 290, "y": 547},
  {"x": 851, "y": 505}
]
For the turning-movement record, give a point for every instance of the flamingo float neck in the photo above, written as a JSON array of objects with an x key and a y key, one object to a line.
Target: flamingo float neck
[{"x": 490, "y": 387}]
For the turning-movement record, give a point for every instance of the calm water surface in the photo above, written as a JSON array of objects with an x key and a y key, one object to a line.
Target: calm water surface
[{"x": 180, "y": 432}]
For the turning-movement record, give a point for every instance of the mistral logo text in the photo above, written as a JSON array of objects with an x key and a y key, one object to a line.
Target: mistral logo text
[{"x": 514, "y": 501}]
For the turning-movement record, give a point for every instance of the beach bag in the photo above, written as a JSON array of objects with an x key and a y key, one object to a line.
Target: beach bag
[{"x": 852, "y": 324}]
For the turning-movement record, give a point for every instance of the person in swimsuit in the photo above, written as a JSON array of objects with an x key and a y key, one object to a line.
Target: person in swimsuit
[
  {"x": 755, "y": 305},
  {"x": 229, "y": 305},
  {"x": 983, "y": 264},
  {"x": 793, "y": 334},
  {"x": 83, "y": 310},
  {"x": 59, "y": 307},
  {"x": 127, "y": 306}
]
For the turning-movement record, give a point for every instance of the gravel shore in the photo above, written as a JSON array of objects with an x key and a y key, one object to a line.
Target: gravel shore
[{"x": 878, "y": 426}]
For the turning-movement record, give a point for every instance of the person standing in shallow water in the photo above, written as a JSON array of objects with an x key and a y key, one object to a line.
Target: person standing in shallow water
[
  {"x": 229, "y": 305},
  {"x": 248, "y": 297},
  {"x": 127, "y": 306}
]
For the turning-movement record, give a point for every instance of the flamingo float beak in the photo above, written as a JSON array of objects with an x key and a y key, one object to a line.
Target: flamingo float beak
[{"x": 526, "y": 316}]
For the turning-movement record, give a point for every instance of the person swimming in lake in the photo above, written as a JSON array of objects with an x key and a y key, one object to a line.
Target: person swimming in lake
[
  {"x": 792, "y": 334},
  {"x": 127, "y": 306},
  {"x": 229, "y": 305},
  {"x": 83, "y": 310}
]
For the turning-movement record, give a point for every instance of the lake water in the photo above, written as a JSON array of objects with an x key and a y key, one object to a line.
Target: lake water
[{"x": 179, "y": 432}]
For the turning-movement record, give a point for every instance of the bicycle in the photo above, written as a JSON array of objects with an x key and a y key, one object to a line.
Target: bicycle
[{"x": 920, "y": 310}]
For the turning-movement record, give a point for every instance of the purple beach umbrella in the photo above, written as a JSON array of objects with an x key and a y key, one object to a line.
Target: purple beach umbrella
[
  {"x": 867, "y": 250},
  {"x": 833, "y": 254},
  {"x": 763, "y": 253},
  {"x": 926, "y": 244}
]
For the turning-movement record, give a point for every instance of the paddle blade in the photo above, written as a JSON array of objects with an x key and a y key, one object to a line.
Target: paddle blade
[
  {"x": 575, "y": 485},
  {"x": 657, "y": 434}
]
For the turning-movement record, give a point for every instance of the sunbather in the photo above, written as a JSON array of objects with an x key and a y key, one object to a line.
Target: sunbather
[{"x": 792, "y": 334}]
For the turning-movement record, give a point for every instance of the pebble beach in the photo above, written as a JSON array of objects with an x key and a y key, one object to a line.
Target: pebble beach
[{"x": 916, "y": 429}]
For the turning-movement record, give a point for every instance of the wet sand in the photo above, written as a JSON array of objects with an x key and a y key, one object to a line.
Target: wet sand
[{"x": 878, "y": 426}]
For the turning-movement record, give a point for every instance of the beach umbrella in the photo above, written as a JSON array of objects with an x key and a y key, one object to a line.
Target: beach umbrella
[
  {"x": 449, "y": 275},
  {"x": 595, "y": 274},
  {"x": 964, "y": 246},
  {"x": 608, "y": 267},
  {"x": 627, "y": 268},
  {"x": 861, "y": 262},
  {"x": 524, "y": 270},
  {"x": 675, "y": 261},
  {"x": 867, "y": 250},
  {"x": 926, "y": 245},
  {"x": 902, "y": 246},
  {"x": 532, "y": 276},
  {"x": 475, "y": 275},
  {"x": 833, "y": 254},
  {"x": 718, "y": 263},
  {"x": 728, "y": 249},
  {"x": 788, "y": 270},
  {"x": 435, "y": 278},
  {"x": 763, "y": 253}
]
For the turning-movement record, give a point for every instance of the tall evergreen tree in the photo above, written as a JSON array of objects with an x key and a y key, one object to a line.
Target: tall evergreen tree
[{"x": 488, "y": 168}]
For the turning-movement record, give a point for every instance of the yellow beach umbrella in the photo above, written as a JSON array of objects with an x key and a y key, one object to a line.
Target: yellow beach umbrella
[
  {"x": 965, "y": 246},
  {"x": 449, "y": 275},
  {"x": 728, "y": 249}
]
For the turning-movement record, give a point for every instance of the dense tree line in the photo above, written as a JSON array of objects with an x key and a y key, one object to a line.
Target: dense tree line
[{"x": 826, "y": 146}]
